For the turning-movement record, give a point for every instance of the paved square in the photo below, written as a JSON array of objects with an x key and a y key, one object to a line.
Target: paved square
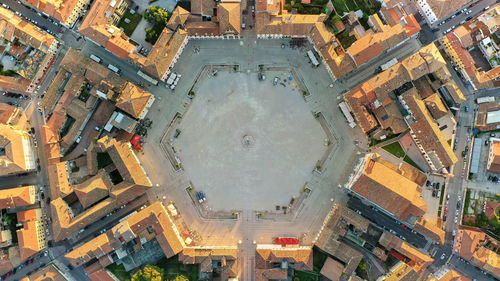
[{"x": 249, "y": 145}]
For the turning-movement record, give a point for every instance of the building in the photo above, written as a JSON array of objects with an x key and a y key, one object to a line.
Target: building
[
  {"x": 493, "y": 164},
  {"x": 418, "y": 260},
  {"x": 17, "y": 197},
  {"x": 100, "y": 23},
  {"x": 151, "y": 223},
  {"x": 400, "y": 272},
  {"x": 16, "y": 152},
  {"x": 47, "y": 273},
  {"x": 384, "y": 184},
  {"x": 65, "y": 11},
  {"x": 272, "y": 262},
  {"x": 14, "y": 28},
  {"x": 31, "y": 237},
  {"x": 134, "y": 101},
  {"x": 435, "y": 11},
  {"x": 446, "y": 274},
  {"x": 75, "y": 206},
  {"x": 374, "y": 103},
  {"x": 472, "y": 245},
  {"x": 427, "y": 135}
]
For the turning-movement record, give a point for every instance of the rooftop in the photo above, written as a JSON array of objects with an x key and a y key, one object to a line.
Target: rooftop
[{"x": 383, "y": 184}]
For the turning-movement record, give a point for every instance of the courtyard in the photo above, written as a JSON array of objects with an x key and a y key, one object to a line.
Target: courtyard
[{"x": 248, "y": 144}]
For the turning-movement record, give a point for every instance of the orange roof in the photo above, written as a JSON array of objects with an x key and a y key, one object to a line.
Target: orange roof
[
  {"x": 48, "y": 273},
  {"x": 13, "y": 26},
  {"x": 386, "y": 187},
  {"x": 229, "y": 17},
  {"x": 17, "y": 197},
  {"x": 468, "y": 241},
  {"x": 365, "y": 48},
  {"x": 58, "y": 9},
  {"x": 412, "y": 26},
  {"x": 134, "y": 100},
  {"x": 31, "y": 239},
  {"x": 7, "y": 113}
]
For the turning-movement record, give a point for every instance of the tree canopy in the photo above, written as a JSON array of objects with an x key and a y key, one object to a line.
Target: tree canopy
[{"x": 148, "y": 273}]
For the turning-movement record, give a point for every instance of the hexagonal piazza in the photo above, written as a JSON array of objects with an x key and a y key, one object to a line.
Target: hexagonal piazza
[{"x": 249, "y": 144}]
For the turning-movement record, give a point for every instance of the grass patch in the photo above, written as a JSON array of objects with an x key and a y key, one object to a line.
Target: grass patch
[
  {"x": 319, "y": 259},
  {"x": 103, "y": 160},
  {"x": 128, "y": 28},
  {"x": 173, "y": 268},
  {"x": 305, "y": 276},
  {"x": 441, "y": 198},
  {"x": 119, "y": 271},
  {"x": 7, "y": 72},
  {"x": 409, "y": 161},
  {"x": 394, "y": 149},
  {"x": 467, "y": 202}
]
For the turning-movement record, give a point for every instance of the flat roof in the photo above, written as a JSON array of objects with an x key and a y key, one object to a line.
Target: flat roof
[{"x": 493, "y": 117}]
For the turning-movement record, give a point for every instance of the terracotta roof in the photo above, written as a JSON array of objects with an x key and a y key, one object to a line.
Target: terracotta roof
[
  {"x": 426, "y": 131},
  {"x": 412, "y": 26},
  {"x": 31, "y": 239},
  {"x": 48, "y": 273},
  {"x": 301, "y": 257},
  {"x": 464, "y": 36},
  {"x": 93, "y": 189},
  {"x": 202, "y": 28},
  {"x": 203, "y": 7},
  {"x": 58, "y": 9},
  {"x": 401, "y": 272},
  {"x": 134, "y": 100},
  {"x": 332, "y": 269},
  {"x": 7, "y": 113},
  {"x": 494, "y": 157},
  {"x": 179, "y": 17},
  {"x": 450, "y": 275},
  {"x": 163, "y": 53},
  {"x": 18, "y": 155},
  {"x": 153, "y": 217},
  {"x": 229, "y": 17},
  {"x": 468, "y": 241},
  {"x": 386, "y": 187},
  {"x": 442, "y": 8},
  {"x": 490, "y": 208},
  {"x": 365, "y": 48},
  {"x": 17, "y": 197},
  {"x": 436, "y": 106},
  {"x": 58, "y": 179},
  {"x": 431, "y": 230},
  {"x": 97, "y": 27},
  {"x": 19, "y": 84},
  {"x": 13, "y": 26},
  {"x": 488, "y": 260},
  {"x": 455, "y": 92},
  {"x": 101, "y": 275}
]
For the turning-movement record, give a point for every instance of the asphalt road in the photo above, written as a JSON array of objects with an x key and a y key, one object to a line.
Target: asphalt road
[
  {"x": 455, "y": 21},
  {"x": 387, "y": 222},
  {"x": 465, "y": 268},
  {"x": 31, "y": 14}
]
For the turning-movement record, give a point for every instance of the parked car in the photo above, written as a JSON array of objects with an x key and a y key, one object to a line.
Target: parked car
[
  {"x": 427, "y": 183},
  {"x": 466, "y": 108}
]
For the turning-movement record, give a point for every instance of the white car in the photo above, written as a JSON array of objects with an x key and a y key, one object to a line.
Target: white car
[
  {"x": 443, "y": 256},
  {"x": 456, "y": 219}
]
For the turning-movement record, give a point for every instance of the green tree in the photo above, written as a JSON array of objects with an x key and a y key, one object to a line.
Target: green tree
[
  {"x": 336, "y": 19},
  {"x": 151, "y": 35},
  {"x": 180, "y": 278},
  {"x": 157, "y": 15},
  {"x": 148, "y": 273}
]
